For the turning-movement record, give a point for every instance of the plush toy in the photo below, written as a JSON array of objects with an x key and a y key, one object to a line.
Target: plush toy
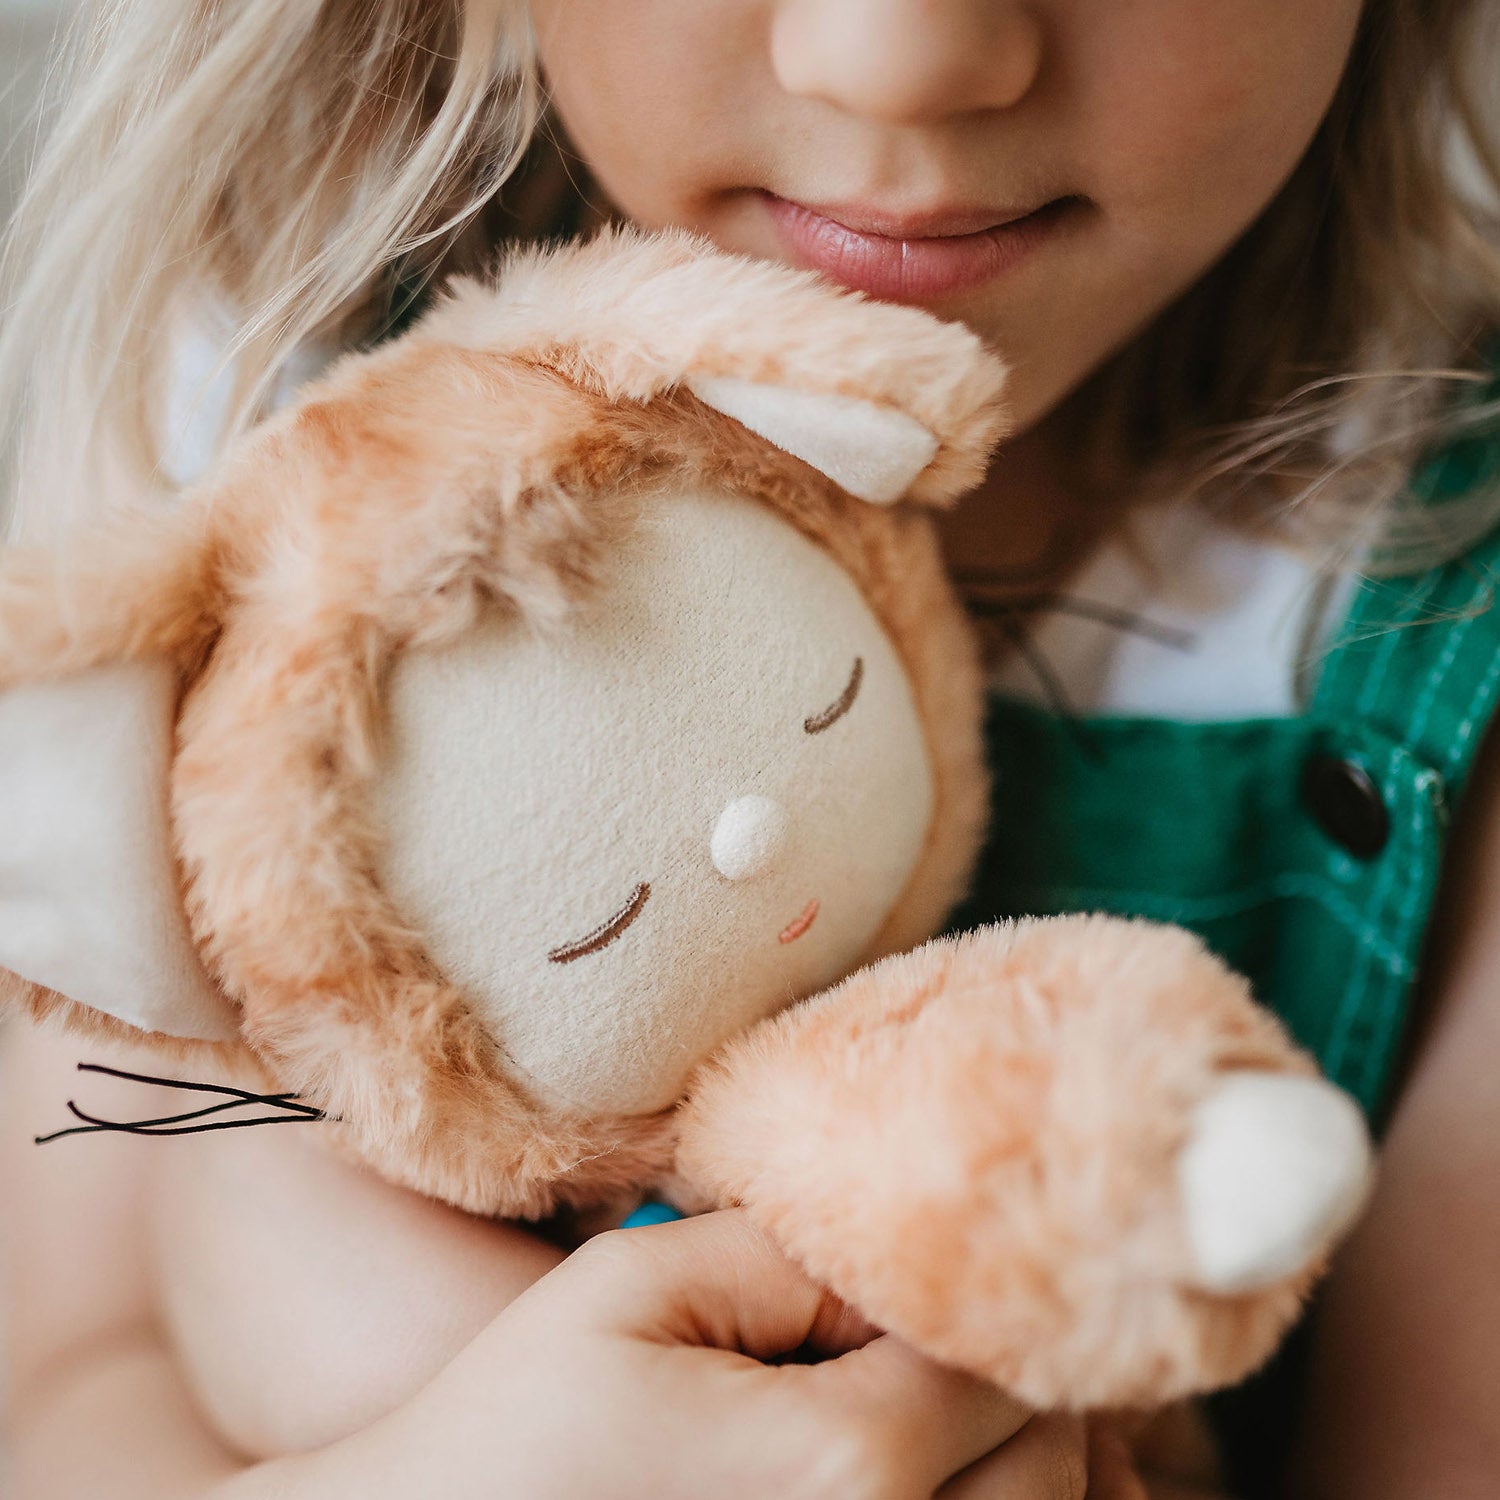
[{"x": 494, "y": 747}]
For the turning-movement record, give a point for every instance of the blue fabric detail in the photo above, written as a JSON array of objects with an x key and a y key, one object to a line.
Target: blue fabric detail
[{"x": 652, "y": 1212}]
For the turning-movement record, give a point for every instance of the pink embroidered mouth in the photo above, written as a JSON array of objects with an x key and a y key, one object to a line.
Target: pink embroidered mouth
[{"x": 793, "y": 930}]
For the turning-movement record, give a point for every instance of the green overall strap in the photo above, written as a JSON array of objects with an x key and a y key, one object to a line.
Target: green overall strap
[
  {"x": 1405, "y": 698},
  {"x": 1413, "y": 679}
]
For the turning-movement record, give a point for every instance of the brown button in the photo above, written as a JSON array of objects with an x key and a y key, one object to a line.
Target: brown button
[{"x": 1346, "y": 804}]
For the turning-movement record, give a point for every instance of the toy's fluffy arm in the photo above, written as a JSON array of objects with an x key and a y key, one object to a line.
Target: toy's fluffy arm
[
  {"x": 136, "y": 586},
  {"x": 89, "y": 902},
  {"x": 93, "y": 642},
  {"x": 1071, "y": 1155}
]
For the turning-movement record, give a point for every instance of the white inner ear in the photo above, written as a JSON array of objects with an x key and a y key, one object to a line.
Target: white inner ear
[
  {"x": 89, "y": 902},
  {"x": 873, "y": 452}
]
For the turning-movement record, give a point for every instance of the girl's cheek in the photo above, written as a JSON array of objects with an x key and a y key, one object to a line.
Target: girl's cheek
[
  {"x": 1194, "y": 114},
  {"x": 658, "y": 98},
  {"x": 1183, "y": 121}
]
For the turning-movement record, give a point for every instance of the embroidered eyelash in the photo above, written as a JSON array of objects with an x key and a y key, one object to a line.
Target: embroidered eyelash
[
  {"x": 817, "y": 723},
  {"x": 292, "y": 1110},
  {"x": 605, "y": 932}
]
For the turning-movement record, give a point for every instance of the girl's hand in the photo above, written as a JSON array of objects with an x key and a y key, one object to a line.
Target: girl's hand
[
  {"x": 1061, "y": 1457},
  {"x": 637, "y": 1368}
]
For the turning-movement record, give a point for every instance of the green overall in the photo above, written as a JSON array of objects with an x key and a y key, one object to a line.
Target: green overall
[{"x": 1305, "y": 851}]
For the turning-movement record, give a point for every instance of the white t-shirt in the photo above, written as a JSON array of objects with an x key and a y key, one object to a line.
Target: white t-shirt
[{"x": 1177, "y": 616}]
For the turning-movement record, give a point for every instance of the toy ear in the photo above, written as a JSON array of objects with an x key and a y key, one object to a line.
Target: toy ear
[
  {"x": 873, "y": 452},
  {"x": 90, "y": 644},
  {"x": 89, "y": 905},
  {"x": 884, "y": 399}
]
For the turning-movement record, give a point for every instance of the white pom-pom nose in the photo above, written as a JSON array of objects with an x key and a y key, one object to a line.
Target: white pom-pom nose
[
  {"x": 1277, "y": 1167},
  {"x": 749, "y": 837}
]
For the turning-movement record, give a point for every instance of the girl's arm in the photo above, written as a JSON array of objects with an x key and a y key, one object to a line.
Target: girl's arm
[
  {"x": 95, "y": 1406},
  {"x": 614, "y": 1374},
  {"x": 304, "y": 1298},
  {"x": 1406, "y": 1366}
]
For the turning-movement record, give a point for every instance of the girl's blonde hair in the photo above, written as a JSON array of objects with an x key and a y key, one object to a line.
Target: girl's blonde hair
[
  {"x": 301, "y": 159},
  {"x": 1355, "y": 325},
  {"x": 279, "y": 159}
]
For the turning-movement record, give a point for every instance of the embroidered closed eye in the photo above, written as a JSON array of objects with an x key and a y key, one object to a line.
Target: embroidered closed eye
[
  {"x": 818, "y": 722},
  {"x": 606, "y": 932}
]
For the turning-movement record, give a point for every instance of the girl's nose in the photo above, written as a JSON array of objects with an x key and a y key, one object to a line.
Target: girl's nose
[
  {"x": 907, "y": 61},
  {"x": 749, "y": 837}
]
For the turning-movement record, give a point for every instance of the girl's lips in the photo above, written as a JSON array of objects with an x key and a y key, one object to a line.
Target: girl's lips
[{"x": 918, "y": 260}]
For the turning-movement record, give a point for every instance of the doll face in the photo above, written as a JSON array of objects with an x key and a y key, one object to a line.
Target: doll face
[
  {"x": 1126, "y": 145},
  {"x": 696, "y": 802}
]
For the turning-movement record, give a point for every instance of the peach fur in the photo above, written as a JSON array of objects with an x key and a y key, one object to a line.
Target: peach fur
[
  {"x": 629, "y": 314},
  {"x": 411, "y": 488},
  {"x": 975, "y": 1143}
]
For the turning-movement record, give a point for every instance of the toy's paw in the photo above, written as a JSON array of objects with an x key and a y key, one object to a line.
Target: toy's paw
[
  {"x": 1071, "y": 1155},
  {"x": 1276, "y": 1169}
]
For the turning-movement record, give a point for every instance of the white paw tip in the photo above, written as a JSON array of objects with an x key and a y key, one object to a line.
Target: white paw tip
[{"x": 1277, "y": 1167}]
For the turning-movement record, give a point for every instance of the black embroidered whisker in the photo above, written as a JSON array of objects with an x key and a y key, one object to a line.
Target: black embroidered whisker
[
  {"x": 289, "y": 1101},
  {"x": 196, "y": 1114},
  {"x": 290, "y": 1109},
  {"x": 126, "y": 1129}
]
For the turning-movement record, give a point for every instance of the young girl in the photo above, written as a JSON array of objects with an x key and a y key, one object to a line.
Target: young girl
[{"x": 1236, "y": 564}]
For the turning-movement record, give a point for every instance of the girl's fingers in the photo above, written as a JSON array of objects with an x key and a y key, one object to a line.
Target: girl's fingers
[
  {"x": 931, "y": 1421},
  {"x": 1046, "y": 1460},
  {"x": 715, "y": 1281},
  {"x": 1112, "y": 1471}
]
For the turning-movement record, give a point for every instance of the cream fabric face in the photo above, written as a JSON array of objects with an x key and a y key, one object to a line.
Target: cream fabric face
[
  {"x": 89, "y": 903},
  {"x": 545, "y": 795}
]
